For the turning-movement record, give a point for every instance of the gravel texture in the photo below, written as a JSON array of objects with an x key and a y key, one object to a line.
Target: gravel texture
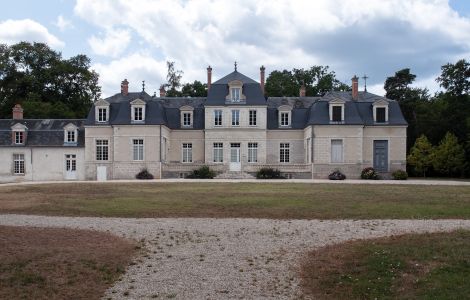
[{"x": 190, "y": 258}]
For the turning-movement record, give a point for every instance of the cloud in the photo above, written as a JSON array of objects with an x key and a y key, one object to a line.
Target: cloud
[
  {"x": 377, "y": 37},
  {"x": 63, "y": 24},
  {"x": 113, "y": 44},
  {"x": 14, "y": 31}
]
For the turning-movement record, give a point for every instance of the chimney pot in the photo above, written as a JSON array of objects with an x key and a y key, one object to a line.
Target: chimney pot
[
  {"x": 162, "y": 91},
  {"x": 261, "y": 77},
  {"x": 355, "y": 87},
  {"x": 17, "y": 112},
  {"x": 303, "y": 91},
  {"x": 125, "y": 87},
  {"x": 209, "y": 77}
]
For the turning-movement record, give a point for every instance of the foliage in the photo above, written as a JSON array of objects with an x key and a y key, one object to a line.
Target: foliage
[
  {"x": 337, "y": 175},
  {"x": 369, "y": 173},
  {"x": 455, "y": 78},
  {"x": 44, "y": 83},
  {"x": 144, "y": 174},
  {"x": 173, "y": 79},
  {"x": 269, "y": 173},
  {"x": 318, "y": 80},
  {"x": 203, "y": 172},
  {"x": 195, "y": 89},
  {"x": 449, "y": 157},
  {"x": 421, "y": 155},
  {"x": 399, "y": 175}
]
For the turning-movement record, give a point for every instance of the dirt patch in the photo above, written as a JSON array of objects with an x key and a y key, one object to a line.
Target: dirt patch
[{"x": 55, "y": 263}]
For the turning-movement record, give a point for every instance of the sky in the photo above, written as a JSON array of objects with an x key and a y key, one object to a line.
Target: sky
[{"x": 133, "y": 39}]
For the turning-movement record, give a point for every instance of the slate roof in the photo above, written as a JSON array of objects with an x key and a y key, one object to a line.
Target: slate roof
[{"x": 42, "y": 132}]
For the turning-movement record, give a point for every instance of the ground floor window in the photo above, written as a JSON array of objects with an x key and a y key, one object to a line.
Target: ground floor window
[
  {"x": 252, "y": 152},
  {"x": 284, "y": 152},
  {"x": 18, "y": 164},
  {"x": 187, "y": 152},
  {"x": 101, "y": 149},
  {"x": 336, "y": 151},
  {"x": 218, "y": 152},
  {"x": 70, "y": 162},
  {"x": 138, "y": 149}
]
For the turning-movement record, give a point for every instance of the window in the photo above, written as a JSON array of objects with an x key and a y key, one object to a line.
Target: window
[
  {"x": 138, "y": 149},
  {"x": 102, "y": 114},
  {"x": 380, "y": 114},
  {"x": 336, "y": 151},
  {"x": 218, "y": 152},
  {"x": 284, "y": 153},
  {"x": 71, "y": 136},
  {"x": 186, "y": 119},
  {"x": 284, "y": 119},
  {"x": 19, "y": 137},
  {"x": 252, "y": 118},
  {"x": 337, "y": 113},
  {"x": 235, "y": 94},
  {"x": 217, "y": 118},
  {"x": 138, "y": 113},
  {"x": 101, "y": 149},
  {"x": 235, "y": 117},
  {"x": 187, "y": 152},
  {"x": 71, "y": 162},
  {"x": 252, "y": 152},
  {"x": 18, "y": 164}
]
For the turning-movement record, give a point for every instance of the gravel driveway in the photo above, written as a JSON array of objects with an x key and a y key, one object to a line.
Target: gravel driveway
[{"x": 225, "y": 258}]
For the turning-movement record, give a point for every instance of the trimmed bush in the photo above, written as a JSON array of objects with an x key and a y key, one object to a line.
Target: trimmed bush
[
  {"x": 369, "y": 173},
  {"x": 203, "y": 172},
  {"x": 337, "y": 175},
  {"x": 400, "y": 175},
  {"x": 144, "y": 174},
  {"x": 269, "y": 173}
]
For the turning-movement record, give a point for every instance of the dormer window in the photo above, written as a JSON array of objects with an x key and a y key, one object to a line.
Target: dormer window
[
  {"x": 380, "y": 111},
  {"x": 138, "y": 114},
  {"x": 186, "y": 116},
  {"x": 337, "y": 113},
  {"x": 18, "y": 134},
  {"x": 102, "y": 115},
  {"x": 71, "y": 138},
  {"x": 336, "y": 109},
  {"x": 70, "y": 134},
  {"x": 284, "y": 119},
  {"x": 102, "y": 111},
  {"x": 19, "y": 137},
  {"x": 285, "y": 113},
  {"x": 235, "y": 93},
  {"x": 138, "y": 111},
  {"x": 187, "y": 119}
]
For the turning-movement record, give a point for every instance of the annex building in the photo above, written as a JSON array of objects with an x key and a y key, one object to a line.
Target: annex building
[{"x": 235, "y": 130}]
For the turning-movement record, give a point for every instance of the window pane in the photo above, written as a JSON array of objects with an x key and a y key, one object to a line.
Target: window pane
[
  {"x": 336, "y": 151},
  {"x": 252, "y": 152},
  {"x": 337, "y": 112},
  {"x": 284, "y": 152},
  {"x": 235, "y": 117},
  {"x": 217, "y": 117},
  {"x": 380, "y": 114}
]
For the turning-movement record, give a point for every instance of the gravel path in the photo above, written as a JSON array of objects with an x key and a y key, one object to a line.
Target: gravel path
[{"x": 225, "y": 258}]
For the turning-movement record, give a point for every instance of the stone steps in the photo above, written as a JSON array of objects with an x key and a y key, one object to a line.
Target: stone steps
[{"x": 235, "y": 175}]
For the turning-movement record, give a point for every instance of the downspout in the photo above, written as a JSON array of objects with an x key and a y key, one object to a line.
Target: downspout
[
  {"x": 32, "y": 168},
  {"x": 311, "y": 151},
  {"x": 160, "y": 151}
]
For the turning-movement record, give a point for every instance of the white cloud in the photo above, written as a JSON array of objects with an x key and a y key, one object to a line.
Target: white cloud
[
  {"x": 62, "y": 23},
  {"x": 14, "y": 31},
  {"x": 113, "y": 44}
]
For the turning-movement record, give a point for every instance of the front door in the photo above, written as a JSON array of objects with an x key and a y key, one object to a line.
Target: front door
[
  {"x": 101, "y": 174},
  {"x": 381, "y": 156},
  {"x": 235, "y": 164},
  {"x": 70, "y": 166}
]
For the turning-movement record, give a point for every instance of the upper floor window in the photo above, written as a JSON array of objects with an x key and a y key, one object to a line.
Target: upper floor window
[
  {"x": 235, "y": 117},
  {"x": 218, "y": 117},
  {"x": 380, "y": 115},
  {"x": 102, "y": 151},
  {"x": 284, "y": 118},
  {"x": 138, "y": 113},
  {"x": 186, "y": 116},
  {"x": 337, "y": 112},
  {"x": 380, "y": 111},
  {"x": 138, "y": 110},
  {"x": 71, "y": 136},
  {"x": 102, "y": 114},
  {"x": 19, "y": 137},
  {"x": 252, "y": 118},
  {"x": 235, "y": 94},
  {"x": 187, "y": 122},
  {"x": 101, "y": 111}
]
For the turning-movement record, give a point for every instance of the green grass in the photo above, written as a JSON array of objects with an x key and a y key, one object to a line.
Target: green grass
[
  {"x": 415, "y": 266},
  {"x": 260, "y": 200}
]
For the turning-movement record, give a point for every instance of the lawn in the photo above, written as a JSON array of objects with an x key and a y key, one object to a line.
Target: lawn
[
  {"x": 415, "y": 266},
  {"x": 250, "y": 200},
  {"x": 53, "y": 263}
]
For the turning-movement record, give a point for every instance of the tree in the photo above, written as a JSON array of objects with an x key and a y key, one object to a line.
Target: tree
[
  {"x": 449, "y": 156},
  {"x": 173, "y": 78},
  {"x": 455, "y": 78},
  {"x": 318, "y": 80},
  {"x": 43, "y": 82},
  {"x": 195, "y": 89},
  {"x": 397, "y": 86},
  {"x": 420, "y": 156}
]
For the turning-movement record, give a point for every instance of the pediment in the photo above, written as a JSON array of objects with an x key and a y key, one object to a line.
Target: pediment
[
  {"x": 235, "y": 83},
  {"x": 186, "y": 108},
  {"x": 101, "y": 102},
  {"x": 285, "y": 108},
  {"x": 336, "y": 101},
  {"x": 70, "y": 126},
  {"x": 138, "y": 102},
  {"x": 382, "y": 102},
  {"x": 19, "y": 127}
]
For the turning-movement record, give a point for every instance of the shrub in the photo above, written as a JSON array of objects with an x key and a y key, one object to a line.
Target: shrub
[
  {"x": 203, "y": 172},
  {"x": 269, "y": 173},
  {"x": 337, "y": 175},
  {"x": 400, "y": 175},
  {"x": 369, "y": 173},
  {"x": 144, "y": 174}
]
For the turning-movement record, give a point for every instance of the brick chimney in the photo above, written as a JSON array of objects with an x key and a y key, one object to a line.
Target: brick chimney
[
  {"x": 209, "y": 77},
  {"x": 125, "y": 87},
  {"x": 261, "y": 77},
  {"x": 17, "y": 112},
  {"x": 355, "y": 87},
  {"x": 162, "y": 91},
  {"x": 302, "y": 91}
]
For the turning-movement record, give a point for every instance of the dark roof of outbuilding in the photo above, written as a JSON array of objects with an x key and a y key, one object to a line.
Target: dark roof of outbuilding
[{"x": 235, "y": 75}]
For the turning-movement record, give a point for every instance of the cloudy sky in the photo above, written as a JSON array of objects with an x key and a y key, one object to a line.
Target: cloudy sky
[{"x": 134, "y": 38}]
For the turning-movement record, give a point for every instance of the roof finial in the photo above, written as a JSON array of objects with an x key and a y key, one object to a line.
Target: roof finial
[
  {"x": 143, "y": 85},
  {"x": 365, "y": 82},
  {"x": 235, "y": 66}
]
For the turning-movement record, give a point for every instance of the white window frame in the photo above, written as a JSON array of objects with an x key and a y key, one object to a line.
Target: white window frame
[
  {"x": 235, "y": 117},
  {"x": 375, "y": 113},
  {"x": 102, "y": 149},
  {"x": 138, "y": 113},
  {"x": 218, "y": 152},
  {"x": 187, "y": 153},
  {"x": 18, "y": 164},
  {"x": 137, "y": 149},
  {"x": 187, "y": 119},
  {"x": 286, "y": 119},
  {"x": 235, "y": 94},
  {"x": 252, "y": 117},
  {"x": 252, "y": 152},
  {"x": 100, "y": 115},
  {"x": 333, "y": 159},
  {"x": 284, "y": 152},
  {"x": 19, "y": 137},
  {"x": 342, "y": 112},
  {"x": 218, "y": 117}
]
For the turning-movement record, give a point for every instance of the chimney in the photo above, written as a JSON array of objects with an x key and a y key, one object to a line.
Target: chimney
[
  {"x": 17, "y": 112},
  {"x": 303, "y": 90},
  {"x": 261, "y": 77},
  {"x": 162, "y": 91},
  {"x": 355, "y": 87},
  {"x": 209, "y": 77},
  {"x": 125, "y": 87}
]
